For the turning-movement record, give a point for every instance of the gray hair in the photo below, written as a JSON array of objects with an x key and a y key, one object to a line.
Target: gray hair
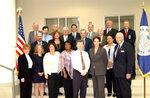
[
  {"x": 35, "y": 23},
  {"x": 110, "y": 21},
  {"x": 83, "y": 30},
  {"x": 66, "y": 28},
  {"x": 120, "y": 33}
]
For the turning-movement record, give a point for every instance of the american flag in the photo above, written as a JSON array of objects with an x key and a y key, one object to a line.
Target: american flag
[{"x": 20, "y": 41}]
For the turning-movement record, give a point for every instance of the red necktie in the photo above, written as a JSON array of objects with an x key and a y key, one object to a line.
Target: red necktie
[
  {"x": 35, "y": 35},
  {"x": 126, "y": 33},
  {"x": 117, "y": 50}
]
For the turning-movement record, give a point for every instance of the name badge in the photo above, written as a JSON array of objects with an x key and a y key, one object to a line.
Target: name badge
[
  {"x": 129, "y": 36},
  {"x": 122, "y": 51}
]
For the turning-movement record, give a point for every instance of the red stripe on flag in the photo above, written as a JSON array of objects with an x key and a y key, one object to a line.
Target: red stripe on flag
[
  {"x": 16, "y": 65},
  {"x": 18, "y": 52},
  {"x": 18, "y": 46},
  {"x": 20, "y": 41}
]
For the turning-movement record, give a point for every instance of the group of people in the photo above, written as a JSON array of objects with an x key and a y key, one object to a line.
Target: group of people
[{"x": 67, "y": 59}]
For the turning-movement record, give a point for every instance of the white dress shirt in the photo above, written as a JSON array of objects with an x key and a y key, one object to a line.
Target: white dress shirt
[
  {"x": 51, "y": 63},
  {"x": 125, "y": 30},
  {"x": 112, "y": 49},
  {"x": 118, "y": 46},
  {"x": 109, "y": 29},
  {"x": 35, "y": 33},
  {"x": 30, "y": 63},
  {"x": 74, "y": 34},
  {"x": 65, "y": 38},
  {"x": 77, "y": 63},
  {"x": 90, "y": 34},
  {"x": 47, "y": 38}
]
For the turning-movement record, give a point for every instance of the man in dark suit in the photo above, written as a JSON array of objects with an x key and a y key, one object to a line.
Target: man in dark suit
[
  {"x": 109, "y": 30},
  {"x": 123, "y": 67},
  {"x": 39, "y": 41},
  {"x": 87, "y": 41},
  {"x": 130, "y": 37},
  {"x": 67, "y": 37},
  {"x": 33, "y": 34},
  {"x": 103, "y": 38},
  {"x": 75, "y": 34}
]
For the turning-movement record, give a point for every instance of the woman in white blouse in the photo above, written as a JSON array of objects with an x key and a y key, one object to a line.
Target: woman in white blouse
[
  {"x": 109, "y": 74},
  {"x": 25, "y": 72},
  {"x": 51, "y": 62}
]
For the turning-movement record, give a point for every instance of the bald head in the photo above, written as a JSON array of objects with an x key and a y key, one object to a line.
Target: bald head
[
  {"x": 119, "y": 37},
  {"x": 39, "y": 36},
  {"x": 55, "y": 27},
  {"x": 90, "y": 27}
]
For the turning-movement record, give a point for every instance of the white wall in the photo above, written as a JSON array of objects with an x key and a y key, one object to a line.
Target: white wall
[
  {"x": 7, "y": 38},
  {"x": 87, "y": 10}
]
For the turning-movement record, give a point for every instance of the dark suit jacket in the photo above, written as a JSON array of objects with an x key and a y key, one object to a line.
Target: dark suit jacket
[
  {"x": 23, "y": 66},
  {"x": 99, "y": 61},
  {"x": 44, "y": 44},
  {"x": 77, "y": 36},
  {"x": 31, "y": 37},
  {"x": 131, "y": 37},
  {"x": 70, "y": 39},
  {"x": 88, "y": 44},
  {"x": 123, "y": 62},
  {"x": 75, "y": 39},
  {"x": 112, "y": 33}
]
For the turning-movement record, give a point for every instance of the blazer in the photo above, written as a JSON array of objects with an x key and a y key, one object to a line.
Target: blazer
[
  {"x": 70, "y": 39},
  {"x": 31, "y": 37},
  {"x": 87, "y": 45},
  {"x": 23, "y": 66},
  {"x": 99, "y": 61},
  {"x": 131, "y": 37},
  {"x": 77, "y": 36},
  {"x": 111, "y": 33},
  {"x": 92, "y": 36},
  {"x": 123, "y": 62},
  {"x": 75, "y": 39},
  {"x": 44, "y": 44}
]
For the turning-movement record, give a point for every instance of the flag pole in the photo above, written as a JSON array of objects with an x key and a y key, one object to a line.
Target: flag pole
[
  {"x": 144, "y": 77},
  {"x": 144, "y": 87},
  {"x": 19, "y": 11}
]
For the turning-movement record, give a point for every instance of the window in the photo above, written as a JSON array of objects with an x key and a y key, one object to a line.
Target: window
[
  {"x": 62, "y": 22},
  {"x": 118, "y": 21}
]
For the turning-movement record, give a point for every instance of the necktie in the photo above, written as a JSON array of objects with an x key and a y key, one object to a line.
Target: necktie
[
  {"x": 117, "y": 50},
  {"x": 126, "y": 33},
  {"x": 83, "y": 65},
  {"x": 108, "y": 31},
  {"x": 35, "y": 35}
]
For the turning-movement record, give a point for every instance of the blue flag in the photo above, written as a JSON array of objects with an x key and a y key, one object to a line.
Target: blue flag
[{"x": 143, "y": 51}]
